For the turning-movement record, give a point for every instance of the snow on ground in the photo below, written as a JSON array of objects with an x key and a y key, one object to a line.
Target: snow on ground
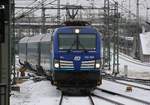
[
  {"x": 132, "y": 83},
  {"x": 115, "y": 98},
  {"x": 17, "y": 61},
  {"x": 119, "y": 88},
  {"x": 136, "y": 68},
  {"x": 39, "y": 93},
  {"x": 43, "y": 93}
]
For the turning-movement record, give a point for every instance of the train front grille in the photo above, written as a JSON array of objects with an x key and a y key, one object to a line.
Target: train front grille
[
  {"x": 66, "y": 64},
  {"x": 84, "y": 64}
]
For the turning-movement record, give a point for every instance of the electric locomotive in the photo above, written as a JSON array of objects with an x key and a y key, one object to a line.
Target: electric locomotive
[
  {"x": 77, "y": 56},
  {"x": 71, "y": 56}
]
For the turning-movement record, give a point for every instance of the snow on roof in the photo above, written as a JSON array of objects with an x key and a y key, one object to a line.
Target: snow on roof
[
  {"x": 145, "y": 43},
  {"x": 24, "y": 40},
  {"x": 36, "y": 38},
  {"x": 46, "y": 38}
]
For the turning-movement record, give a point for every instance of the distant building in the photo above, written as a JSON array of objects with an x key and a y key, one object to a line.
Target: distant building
[{"x": 145, "y": 47}]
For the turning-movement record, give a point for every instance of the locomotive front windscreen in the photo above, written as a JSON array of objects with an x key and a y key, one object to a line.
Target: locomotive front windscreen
[{"x": 77, "y": 42}]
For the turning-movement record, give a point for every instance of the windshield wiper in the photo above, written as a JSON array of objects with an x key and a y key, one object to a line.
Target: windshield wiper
[
  {"x": 85, "y": 50},
  {"x": 75, "y": 41},
  {"x": 70, "y": 49}
]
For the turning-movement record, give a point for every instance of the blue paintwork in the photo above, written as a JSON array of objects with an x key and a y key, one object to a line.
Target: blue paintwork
[{"x": 85, "y": 56}]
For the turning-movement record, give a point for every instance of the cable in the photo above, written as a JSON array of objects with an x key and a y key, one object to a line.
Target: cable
[
  {"x": 35, "y": 8},
  {"x": 29, "y": 11},
  {"x": 26, "y": 6}
]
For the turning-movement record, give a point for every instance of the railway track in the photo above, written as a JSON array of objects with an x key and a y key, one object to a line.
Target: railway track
[
  {"x": 61, "y": 99},
  {"x": 128, "y": 84},
  {"x": 62, "y": 96},
  {"x": 107, "y": 99},
  {"x": 134, "y": 80},
  {"x": 92, "y": 101},
  {"x": 124, "y": 96}
]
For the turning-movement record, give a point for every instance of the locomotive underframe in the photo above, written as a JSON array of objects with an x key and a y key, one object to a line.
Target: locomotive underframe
[{"x": 77, "y": 79}]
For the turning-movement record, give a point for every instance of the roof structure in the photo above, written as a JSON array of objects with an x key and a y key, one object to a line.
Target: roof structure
[
  {"x": 145, "y": 43},
  {"x": 36, "y": 38},
  {"x": 46, "y": 38},
  {"x": 24, "y": 40}
]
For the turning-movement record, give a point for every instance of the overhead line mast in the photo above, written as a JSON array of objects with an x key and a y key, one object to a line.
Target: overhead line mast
[
  {"x": 58, "y": 12},
  {"x": 43, "y": 18},
  {"x": 136, "y": 37}
]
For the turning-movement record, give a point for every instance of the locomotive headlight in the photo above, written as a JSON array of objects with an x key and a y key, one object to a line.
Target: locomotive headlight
[
  {"x": 97, "y": 65},
  {"x": 77, "y": 31},
  {"x": 56, "y": 65}
]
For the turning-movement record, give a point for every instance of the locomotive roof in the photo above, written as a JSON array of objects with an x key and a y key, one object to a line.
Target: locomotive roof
[
  {"x": 37, "y": 38},
  {"x": 24, "y": 40}
]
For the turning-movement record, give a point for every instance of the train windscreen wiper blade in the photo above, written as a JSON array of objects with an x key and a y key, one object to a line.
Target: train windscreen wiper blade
[
  {"x": 70, "y": 49},
  {"x": 85, "y": 50}
]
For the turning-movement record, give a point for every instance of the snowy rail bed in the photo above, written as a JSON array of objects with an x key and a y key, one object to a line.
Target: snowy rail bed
[{"x": 43, "y": 93}]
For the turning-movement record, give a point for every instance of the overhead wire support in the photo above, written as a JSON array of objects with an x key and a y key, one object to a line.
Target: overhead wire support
[
  {"x": 13, "y": 43},
  {"x": 136, "y": 37},
  {"x": 72, "y": 11},
  {"x": 126, "y": 9},
  {"x": 62, "y": 8},
  {"x": 58, "y": 12},
  {"x": 43, "y": 30},
  {"x": 25, "y": 7},
  {"x": 32, "y": 9},
  {"x": 110, "y": 41},
  {"x": 106, "y": 36},
  {"x": 115, "y": 40}
]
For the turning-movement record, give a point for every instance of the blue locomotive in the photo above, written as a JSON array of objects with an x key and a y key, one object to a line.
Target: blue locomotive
[{"x": 71, "y": 56}]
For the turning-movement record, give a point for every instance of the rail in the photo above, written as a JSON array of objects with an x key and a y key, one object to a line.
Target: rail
[
  {"x": 92, "y": 102},
  {"x": 3, "y": 92},
  {"x": 61, "y": 99},
  {"x": 107, "y": 99},
  {"x": 90, "y": 98},
  {"x": 125, "y": 96},
  {"x": 127, "y": 84},
  {"x": 134, "y": 80}
]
